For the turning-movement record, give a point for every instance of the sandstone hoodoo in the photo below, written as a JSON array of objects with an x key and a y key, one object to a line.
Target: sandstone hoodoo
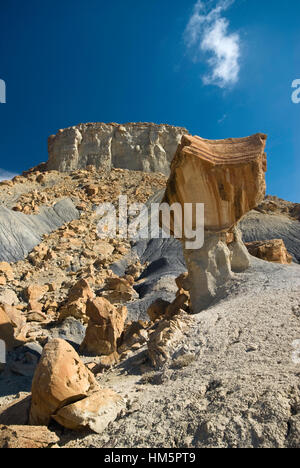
[
  {"x": 228, "y": 177},
  {"x": 137, "y": 146}
]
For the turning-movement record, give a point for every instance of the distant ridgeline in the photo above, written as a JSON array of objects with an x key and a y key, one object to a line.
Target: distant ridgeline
[{"x": 136, "y": 146}]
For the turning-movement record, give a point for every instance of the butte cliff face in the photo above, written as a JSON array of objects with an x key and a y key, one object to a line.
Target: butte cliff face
[{"x": 143, "y": 147}]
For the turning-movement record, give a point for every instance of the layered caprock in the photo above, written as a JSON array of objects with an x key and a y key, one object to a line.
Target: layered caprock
[
  {"x": 228, "y": 176},
  {"x": 136, "y": 146}
]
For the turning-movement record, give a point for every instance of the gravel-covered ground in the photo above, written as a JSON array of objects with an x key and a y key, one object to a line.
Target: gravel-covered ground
[{"x": 234, "y": 380}]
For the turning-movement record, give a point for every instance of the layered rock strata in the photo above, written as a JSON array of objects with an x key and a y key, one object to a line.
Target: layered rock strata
[
  {"x": 228, "y": 177},
  {"x": 136, "y": 146}
]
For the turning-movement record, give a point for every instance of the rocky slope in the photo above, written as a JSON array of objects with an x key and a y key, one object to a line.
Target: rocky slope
[
  {"x": 237, "y": 359},
  {"x": 137, "y": 146}
]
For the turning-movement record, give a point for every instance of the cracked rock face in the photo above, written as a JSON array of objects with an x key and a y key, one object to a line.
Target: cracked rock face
[
  {"x": 65, "y": 390},
  {"x": 60, "y": 378},
  {"x": 136, "y": 146}
]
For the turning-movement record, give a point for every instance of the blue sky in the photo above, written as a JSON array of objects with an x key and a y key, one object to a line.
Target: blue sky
[{"x": 219, "y": 68}]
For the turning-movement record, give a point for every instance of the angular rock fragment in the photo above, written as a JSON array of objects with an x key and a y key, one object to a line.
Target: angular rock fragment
[
  {"x": 270, "y": 250},
  {"x": 35, "y": 292},
  {"x": 7, "y": 271},
  {"x": 135, "y": 335},
  {"x": 165, "y": 337},
  {"x": 158, "y": 309},
  {"x": 17, "y": 412},
  {"x": 94, "y": 412},
  {"x": 65, "y": 390},
  {"x": 105, "y": 327},
  {"x": 75, "y": 306},
  {"x": 12, "y": 324},
  {"x": 119, "y": 290}
]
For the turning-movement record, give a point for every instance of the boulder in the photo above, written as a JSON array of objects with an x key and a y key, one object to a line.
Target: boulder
[
  {"x": 182, "y": 281},
  {"x": 8, "y": 297},
  {"x": 270, "y": 250},
  {"x": 7, "y": 271},
  {"x": 158, "y": 309},
  {"x": 119, "y": 290},
  {"x": 135, "y": 335},
  {"x": 166, "y": 335},
  {"x": 105, "y": 327},
  {"x": 11, "y": 327},
  {"x": 35, "y": 292},
  {"x": 75, "y": 305},
  {"x": 60, "y": 379}
]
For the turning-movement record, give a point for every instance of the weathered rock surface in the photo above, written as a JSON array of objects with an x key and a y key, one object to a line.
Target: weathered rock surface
[
  {"x": 165, "y": 337},
  {"x": 60, "y": 379},
  {"x": 16, "y": 413},
  {"x": 95, "y": 412},
  {"x": 25, "y": 437},
  {"x": 239, "y": 257},
  {"x": 209, "y": 270},
  {"x": 105, "y": 327},
  {"x": 261, "y": 226},
  {"x": 277, "y": 206},
  {"x": 75, "y": 306},
  {"x": 11, "y": 325},
  {"x": 233, "y": 381},
  {"x": 272, "y": 251},
  {"x": 19, "y": 233},
  {"x": 228, "y": 176},
  {"x": 64, "y": 389},
  {"x": 118, "y": 290},
  {"x": 137, "y": 146}
]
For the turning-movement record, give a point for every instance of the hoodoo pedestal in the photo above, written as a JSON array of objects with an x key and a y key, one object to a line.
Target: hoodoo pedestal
[{"x": 228, "y": 177}]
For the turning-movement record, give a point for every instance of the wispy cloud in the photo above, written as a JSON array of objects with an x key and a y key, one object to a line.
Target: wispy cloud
[
  {"x": 6, "y": 175},
  {"x": 207, "y": 33}
]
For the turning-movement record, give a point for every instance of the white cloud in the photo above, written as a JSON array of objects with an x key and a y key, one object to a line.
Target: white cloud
[
  {"x": 207, "y": 32},
  {"x": 6, "y": 175}
]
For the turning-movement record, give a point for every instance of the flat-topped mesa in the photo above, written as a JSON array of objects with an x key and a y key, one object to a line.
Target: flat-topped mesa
[
  {"x": 228, "y": 177},
  {"x": 143, "y": 147}
]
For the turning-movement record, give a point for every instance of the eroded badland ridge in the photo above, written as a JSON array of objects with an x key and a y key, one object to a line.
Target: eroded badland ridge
[{"x": 115, "y": 343}]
